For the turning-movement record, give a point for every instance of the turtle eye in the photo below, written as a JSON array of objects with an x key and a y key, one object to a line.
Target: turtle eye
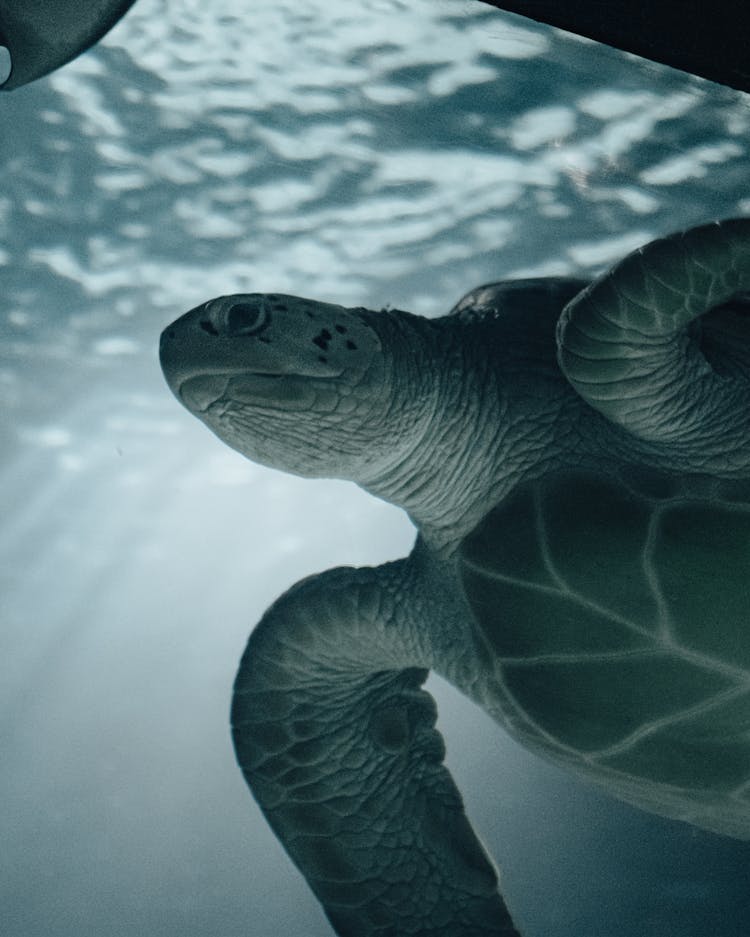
[{"x": 246, "y": 319}]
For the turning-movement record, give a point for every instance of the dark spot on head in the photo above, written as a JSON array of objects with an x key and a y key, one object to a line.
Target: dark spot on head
[
  {"x": 171, "y": 333},
  {"x": 323, "y": 359},
  {"x": 209, "y": 327},
  {"x": 279, "y": 307},
  {"x": 322, "y": 339},
  {"x": 341, "y": 329},
  {"x": 350, "y": 345},
  {"x": 264, "y": 339}
]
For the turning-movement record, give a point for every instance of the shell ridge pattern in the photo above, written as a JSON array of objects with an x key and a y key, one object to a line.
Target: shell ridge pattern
[
  {"x": 710, "y": 686},
  {"x": 565, "y": 587},
  {"x": 672, "y": 719},
  {"x": 665, "y": 632},
  {"x": 541, "y": 533},
  {"x": 555, "y": 591},
  {"x": 666, "y": 622}
]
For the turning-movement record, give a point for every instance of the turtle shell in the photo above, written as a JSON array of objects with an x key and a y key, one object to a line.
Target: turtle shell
[{"x": 615, "y": 610}]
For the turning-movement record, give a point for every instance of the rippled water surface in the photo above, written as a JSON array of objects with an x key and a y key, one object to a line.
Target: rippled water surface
[{"x": 367, "y": 153}]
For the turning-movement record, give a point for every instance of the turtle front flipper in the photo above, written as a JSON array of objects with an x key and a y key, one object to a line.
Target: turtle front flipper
[
  {"x": 338, "y": 744},
  {"x": 626, "y": 346}
]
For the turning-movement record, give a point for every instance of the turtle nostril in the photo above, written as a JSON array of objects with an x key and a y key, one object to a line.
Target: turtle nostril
[
  {"x": 246, "y": 318},
  {"x": 209, "y": 327}
]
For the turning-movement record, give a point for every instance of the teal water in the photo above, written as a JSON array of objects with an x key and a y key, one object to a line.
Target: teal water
[{"x": 372, "y": 153}]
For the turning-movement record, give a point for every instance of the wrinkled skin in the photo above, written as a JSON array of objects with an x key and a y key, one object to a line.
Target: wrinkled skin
[{"x": 545, "y": 392}]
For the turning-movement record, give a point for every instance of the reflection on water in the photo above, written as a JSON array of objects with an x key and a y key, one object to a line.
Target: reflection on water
[{"x": 372, "y": 153}]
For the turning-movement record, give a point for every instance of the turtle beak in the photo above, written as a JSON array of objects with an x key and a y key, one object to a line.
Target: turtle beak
[{"x": 183, "y": 354}]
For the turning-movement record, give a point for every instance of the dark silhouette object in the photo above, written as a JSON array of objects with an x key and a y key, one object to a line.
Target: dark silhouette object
[
  {"x": 708, "y": 39},
  {"x": 42, "y": 35}
]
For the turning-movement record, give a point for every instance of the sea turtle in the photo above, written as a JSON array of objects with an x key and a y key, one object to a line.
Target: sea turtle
[{"x": 576, "y": 459}]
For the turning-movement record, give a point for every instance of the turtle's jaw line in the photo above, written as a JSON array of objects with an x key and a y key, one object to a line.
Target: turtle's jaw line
[
  {"x": 202, "y": 392},
  {"x": 199, "y": 393}
]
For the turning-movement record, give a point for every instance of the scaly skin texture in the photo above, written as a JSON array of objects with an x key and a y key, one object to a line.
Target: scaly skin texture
[
  {"x": 449, "y": 418},
  {"x": 337, "y": 741},
  {"x": 661, "y": 387}
]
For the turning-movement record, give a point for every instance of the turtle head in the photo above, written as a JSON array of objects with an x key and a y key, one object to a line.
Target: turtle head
[{"x": 291, "y": 383}]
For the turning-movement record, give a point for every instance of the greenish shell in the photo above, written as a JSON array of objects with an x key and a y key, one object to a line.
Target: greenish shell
[{"x": 616, "y": 610}]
